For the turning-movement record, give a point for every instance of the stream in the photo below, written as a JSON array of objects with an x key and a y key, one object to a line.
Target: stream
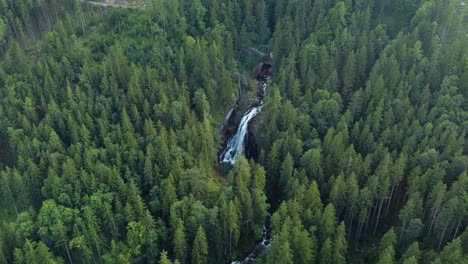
[
  {"x": 236, "y": 146},
  {"x": 260, "y": 249}
]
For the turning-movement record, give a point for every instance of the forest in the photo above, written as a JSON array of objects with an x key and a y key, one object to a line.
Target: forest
[{"x": 109, "y": 131}]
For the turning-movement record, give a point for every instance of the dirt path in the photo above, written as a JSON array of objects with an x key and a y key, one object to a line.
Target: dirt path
[{"x": 122, "y": 4}]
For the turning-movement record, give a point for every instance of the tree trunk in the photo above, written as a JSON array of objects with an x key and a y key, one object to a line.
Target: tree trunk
[
  {"x": 375, "y": 210},
  {"x": 350, "y": 226},
  {"x": 230, "y": 241},
  {"x": 434, "y": 216},
  {"x": 368, "y": 217},
  {"x": 447, "y": 30},
  {"x": 82, "y": 18},
  {"x": 378, "y": 216},
  {"x": 99, "y": 251},
  {"x": 47, "y": 19},
  {"x": 55, "y": 12},
  {"x": 451, "y": 228},
  {"x": 456, "y": 230},
  {"x": 68, "y": 253},
  {"x": 442, "y": 236},
  {"x": 358, "y": 232},
  {"x": 402, "y": 232},
  {"x": 92, "y": 256},
  {"x": 390, "y": 199},
  {"x": 83, "y": 257}
]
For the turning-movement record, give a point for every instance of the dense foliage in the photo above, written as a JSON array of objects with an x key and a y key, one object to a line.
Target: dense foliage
[
  {"x": 109, "y": 132},
  {"x": 373, "y": 121}
]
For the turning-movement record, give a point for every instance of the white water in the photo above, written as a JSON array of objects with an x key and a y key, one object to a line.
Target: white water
[
  {"x": 234, "y": 147},
  {"x": 259, "y": 250},
  {"x": 235, "y": 144}
]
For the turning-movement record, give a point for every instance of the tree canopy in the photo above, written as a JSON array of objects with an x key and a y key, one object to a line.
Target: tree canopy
[{"x": 109, "y": 131}]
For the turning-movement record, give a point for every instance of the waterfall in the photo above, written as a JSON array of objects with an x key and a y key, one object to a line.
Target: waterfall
[
  {"x": 234, "y": 147},
  {"x": 235, "y": 144}
]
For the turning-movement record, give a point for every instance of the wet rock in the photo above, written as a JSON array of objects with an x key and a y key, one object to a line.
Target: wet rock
[{"x": 263, "y": 71}]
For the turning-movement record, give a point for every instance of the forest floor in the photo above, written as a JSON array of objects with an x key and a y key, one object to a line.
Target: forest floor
[{"x": 119, "y": 3}]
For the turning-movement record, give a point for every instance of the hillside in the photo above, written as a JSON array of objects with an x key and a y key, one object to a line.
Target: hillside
[{"x": 110, "y": 142}]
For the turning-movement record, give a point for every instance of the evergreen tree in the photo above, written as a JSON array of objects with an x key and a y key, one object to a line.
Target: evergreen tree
[
  {"x": 280, "y": 251},
  {"x": 104, "y": 116},
  {"x": 164, "y": 259},
  {"x": 339, "y": 254},
  {"x": 200, "y": 247},
  {"x": 179, "y": 240},
  {"x": 326, "y": 252}
]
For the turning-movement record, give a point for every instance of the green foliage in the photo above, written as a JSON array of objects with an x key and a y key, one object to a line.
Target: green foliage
[
  {"x": 200, "y": 247},
  {"x": 108, "y": 130},
  {"x": 33, "y": 252},
  {"x": 367, "y": 93}
]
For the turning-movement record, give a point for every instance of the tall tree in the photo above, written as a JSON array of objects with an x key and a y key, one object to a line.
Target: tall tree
[{"x": 200, "y": 247}]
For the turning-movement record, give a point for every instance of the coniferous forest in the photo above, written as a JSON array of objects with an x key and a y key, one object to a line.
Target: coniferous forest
[{"x": 110, "y": 131}]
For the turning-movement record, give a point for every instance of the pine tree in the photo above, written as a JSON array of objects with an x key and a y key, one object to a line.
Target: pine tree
[
  {"x": 280, "y": 251},
  {"x": 233, "y": 225},
  {"x": 326, "y": 252},
  {"x": 452, "y": 252},
  {"x": 168, "y": 194},
  {"x": 179, "y": 240},
  {"x": 340, "y": 245},
  {"x": 33, "y": 252},
  {"x": 410, "y": 260},
  {"x": 259, "y": 199},
  {"x": 387, "y": 256},
  {"x": 338, "y": 193},
  {"x": 164, "y": 259},
  {"x": 412, "y": 254},
  {"x": 328, "y": 222},
  {"x": 302, "y": 246},
  {"x": 349, "y": 76},
  {"x": 386, "y": 248},
  {"x": 287, "y": 168},
  {"x": 55, "y": 222},
  {"x": 311, "y": 161},
  {"x": 388, "y": 240},
  {"x": 200, "y": 247}
]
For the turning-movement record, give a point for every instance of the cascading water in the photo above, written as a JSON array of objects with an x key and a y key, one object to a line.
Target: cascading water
[
  {"x": 235, "y": 144},
  {"x": 261, "y": 247}
]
